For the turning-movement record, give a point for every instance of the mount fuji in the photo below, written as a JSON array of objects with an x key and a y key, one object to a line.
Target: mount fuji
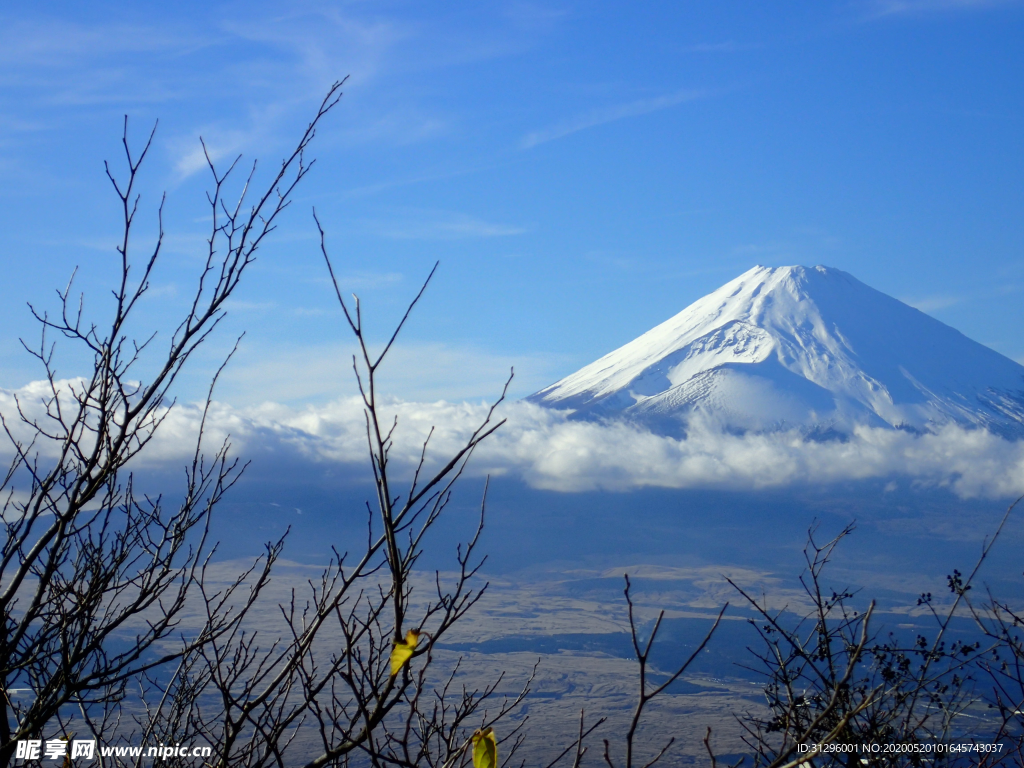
[{"x": 810, "y": 348}]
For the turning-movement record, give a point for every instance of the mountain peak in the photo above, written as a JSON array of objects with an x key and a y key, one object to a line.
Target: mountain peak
[{"x": 813, "y": 347}]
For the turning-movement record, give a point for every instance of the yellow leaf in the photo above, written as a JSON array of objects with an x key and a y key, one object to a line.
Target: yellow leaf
[
  {"x": 403, "y": 651},
  {"x": 67, "y": 757},
  {"x": 485, "y": 749}
]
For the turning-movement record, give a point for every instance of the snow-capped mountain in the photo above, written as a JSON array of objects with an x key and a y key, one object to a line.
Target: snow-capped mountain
[{"x": 800, "y": 346}]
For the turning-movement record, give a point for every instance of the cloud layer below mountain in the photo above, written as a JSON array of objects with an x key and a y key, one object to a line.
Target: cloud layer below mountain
[{"x": 550, "y": 451}]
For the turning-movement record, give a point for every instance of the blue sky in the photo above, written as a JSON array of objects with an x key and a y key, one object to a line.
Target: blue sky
[{"x": 582, "y": 171}]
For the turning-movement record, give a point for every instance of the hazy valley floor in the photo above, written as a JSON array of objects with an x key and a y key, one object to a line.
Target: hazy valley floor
[{"x": 555, "y": 566}]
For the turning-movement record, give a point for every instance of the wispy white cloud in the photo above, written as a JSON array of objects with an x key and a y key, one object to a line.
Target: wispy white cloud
[
  {"x": 325, "y": 37},
  {"x": 224, "y": 143},
  {"x": 280, "y": 58},
  {"x": 286, "y": 61},
  {"x": 54, "y": 62},
  {"x": 52, "y": 43},
  {"x": 906, "y": 7},
  {"x": 605, "y": 115},
  {"x": 550, "y": 451},
  {"x": 399, "y": 126},
  {"x": 192, "y": 158},
  {"x": 534, "y": 15},
  {"x": 441, "y": 225},
  {"x": 359, "y": 281},
  {"x": 237, "y": 305},
  {"x": 12, "y": 124},
  {"x": 394, "y": 183},
  {"x": 726, "y": 46},
  {"x": 934, "y": 303}
]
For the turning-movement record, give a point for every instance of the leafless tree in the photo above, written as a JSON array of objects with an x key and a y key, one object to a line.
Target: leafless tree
[
  {"x": 94, "y": 573},
  {"x": 1001, "y": 667},
  {"x": 648, "y": 691},
  {"x": 1003, "y": 670},
  {"x": 352, "y": 676},
  {"x": 832, "y": 684}
]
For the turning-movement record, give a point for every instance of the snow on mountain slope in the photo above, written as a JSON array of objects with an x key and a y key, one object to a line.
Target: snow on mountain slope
[{"x": 800, "y": 346}]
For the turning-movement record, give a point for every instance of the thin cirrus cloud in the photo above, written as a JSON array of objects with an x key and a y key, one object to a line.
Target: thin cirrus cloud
[
  {"x": 607, "y": 115},
  {"x": 68, "y": 65},
  {"x": 903, "y": 7},
  {"x": 442, "y": 225},
  {"x": 548, "y": 450},
  {"x": 221, "y": 145},
  {"x": 726, "y": 46},
  {"x": 934, "y": 303},
  {"x": 54, "y": 44}
]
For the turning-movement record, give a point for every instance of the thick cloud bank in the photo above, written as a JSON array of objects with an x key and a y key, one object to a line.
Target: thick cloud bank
[{"x": 550, "y": 451}]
